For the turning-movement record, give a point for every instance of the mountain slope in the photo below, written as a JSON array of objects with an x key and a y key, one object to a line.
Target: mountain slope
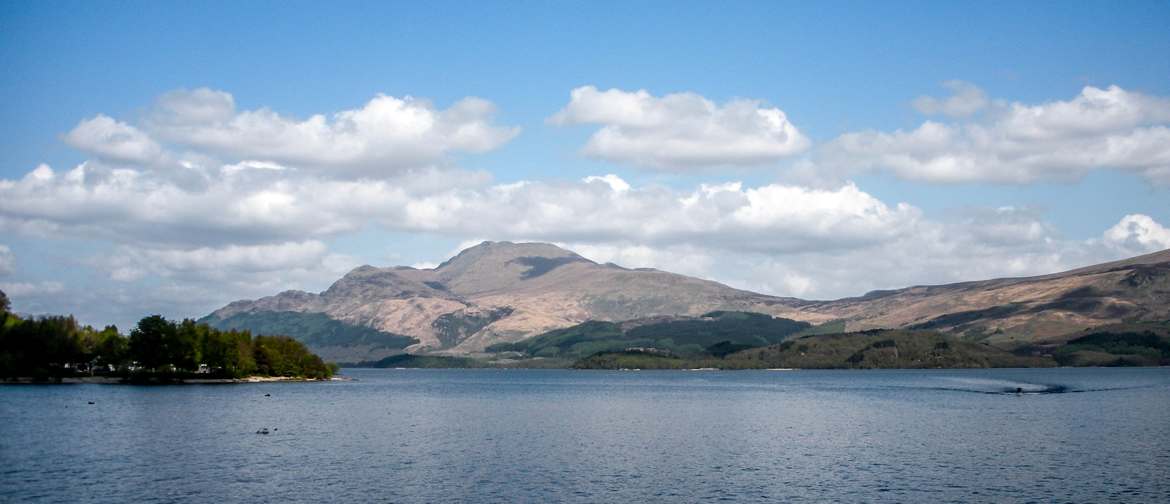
[
  {"x": 502, "y": 292},
  {"x": 1015, "y": 310},
  {"x": 677, "y": 335}
]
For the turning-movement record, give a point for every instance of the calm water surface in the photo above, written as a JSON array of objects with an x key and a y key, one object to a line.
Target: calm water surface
[{"x": 595, "y": 436}]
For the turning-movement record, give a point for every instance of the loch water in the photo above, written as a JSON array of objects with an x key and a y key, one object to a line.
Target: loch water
[{"x": 1071, "y": 435}]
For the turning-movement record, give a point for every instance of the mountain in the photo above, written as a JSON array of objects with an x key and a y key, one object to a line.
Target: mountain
[
  {"x": 503, "y": 292},
  {"x": 1012, "y": 311},
  {"x": 491, "y": 293}
]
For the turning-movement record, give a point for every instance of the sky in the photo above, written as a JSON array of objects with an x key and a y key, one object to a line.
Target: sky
[{"x": 161, "y": 157}]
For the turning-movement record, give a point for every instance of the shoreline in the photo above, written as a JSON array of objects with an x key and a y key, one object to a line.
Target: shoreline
[{"x": 110, "y": 380}]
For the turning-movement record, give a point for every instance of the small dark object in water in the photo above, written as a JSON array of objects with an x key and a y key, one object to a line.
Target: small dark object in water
[
  {"x": 263, "y": 430},
  {"x": 267, "y": 395},
  {"x": 91, "y": 402},
  {"x": 1019, "y": 390}
]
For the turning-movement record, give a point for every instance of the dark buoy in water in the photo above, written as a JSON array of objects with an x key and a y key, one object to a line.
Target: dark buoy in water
[
  {"x": 267, "y": 395},
  {"x": 1019, "y": 390}
]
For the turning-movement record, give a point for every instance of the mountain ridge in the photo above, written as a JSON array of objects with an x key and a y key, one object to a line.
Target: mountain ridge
[{"x": 504, "y": 292}]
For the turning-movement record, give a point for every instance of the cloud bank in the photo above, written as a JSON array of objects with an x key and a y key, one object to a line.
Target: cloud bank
[
  {"x": 1016, "y": 143},
  {"x": 680, "y": 131},
  {"x": 201, "y": 203},
  {"x": 385, "y": 136}
]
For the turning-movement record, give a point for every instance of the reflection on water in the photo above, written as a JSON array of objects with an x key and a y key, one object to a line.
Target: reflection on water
[{"x": 1086, "y": 435}]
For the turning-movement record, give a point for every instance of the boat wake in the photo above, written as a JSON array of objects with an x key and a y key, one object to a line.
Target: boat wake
[{"x": 993, "y": 386}]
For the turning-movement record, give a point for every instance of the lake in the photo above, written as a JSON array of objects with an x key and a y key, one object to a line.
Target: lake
[{"x": 1081, "y": 435}]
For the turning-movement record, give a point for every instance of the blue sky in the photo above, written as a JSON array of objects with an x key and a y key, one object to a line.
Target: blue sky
[{"x": 834, "y": 69}]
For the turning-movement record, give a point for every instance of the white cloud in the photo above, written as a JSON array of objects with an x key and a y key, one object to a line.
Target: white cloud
[
  {"x": 966, "y": 99},
  {"x": 1018, "y": 143},
  {"x": 30, "y": 289},
  {"x": 114, "y": 140},
  {"x": 133, "y": 206},
  {"x": 681, "y": 130},
  {"x": 186, "y": 130},
  {"x": 130, "y": 206},
  {"x": 234, "y": 239},
  {"x": 683, "y": 259},
  {"x": 613, "y": 181},
  {"x": 7, "y": 260},
  {"x": 386, "y": 135},
  {"x": 766, "y": 218},
  {"x": 232, "y": 259},
  {"x": 1138, "y": 234},
  {"x": 194, "y": 281},
  {"x": 934, "y": 252},
  {"x": 249, "y": 207},
  {"x": 245, "y": 165}
]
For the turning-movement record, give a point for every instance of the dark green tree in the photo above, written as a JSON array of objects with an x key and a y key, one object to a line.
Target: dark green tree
[
  {"x": 148, "y": 341},
  {"x": 243, "y": 361},
  {"x": 183, "y": 349},
  {"x": 284, "y": 356},
  {"x": 112, "y": 348},
  {"x": 41, "y": 347}
]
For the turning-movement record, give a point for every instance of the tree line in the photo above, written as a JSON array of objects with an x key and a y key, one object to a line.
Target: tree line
[{"x": 52, "y": 347}]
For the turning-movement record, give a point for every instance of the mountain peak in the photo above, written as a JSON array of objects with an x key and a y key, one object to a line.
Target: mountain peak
[
  {"x": 495, "y": 265},
  {"x": 502, "y": 252}
]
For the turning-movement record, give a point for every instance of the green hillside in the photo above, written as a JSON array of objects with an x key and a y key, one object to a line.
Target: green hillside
[
  {"x": 1134, "y": 344},
  {"x": 721, "y": 331},
  {"x": 882, "y": 349},
  {"x": 422, "y": 361},
  {"x": 313, "y": 329},
  {"x": 877, "y": 349}
]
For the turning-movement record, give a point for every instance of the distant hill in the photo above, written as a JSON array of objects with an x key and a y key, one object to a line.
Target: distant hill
[
  {"x": 1015, "y": 311},
  {"x": 679, "y": 336},
  {"x": 333, "y": 340},
  {"x": 502, "y": 293},
  {"x": 1132, "y": 344},
  {"x": 877, "y": 349},
  {"x": 421, "y": 362}
]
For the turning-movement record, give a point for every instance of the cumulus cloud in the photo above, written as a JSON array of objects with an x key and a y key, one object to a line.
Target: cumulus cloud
[
  {"x": 30, "y": 289},
  {"x": 385, "y": 136},
  {"x": 132, "y": 206},
  {"x": 194, "y": 281},
  {"x": 1138, "y": 234},
  {"x": 773, "y": 238},
  {"x": 1109, "y": 128},
  {"x": 131, "y": 263},
  {"x": 966, "y": 99},
  {"x": 937, "y": 251},
  {"x": 248, "y": 206},
  {"x": 776, "y": 238},
  {"x": 242, "y": 206},
  {"x": 766, "y": 218},
  {"x": 114, "y": 140},
  {"x": 680, "y": 130},
  {"x": 613, "y": 181}
]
